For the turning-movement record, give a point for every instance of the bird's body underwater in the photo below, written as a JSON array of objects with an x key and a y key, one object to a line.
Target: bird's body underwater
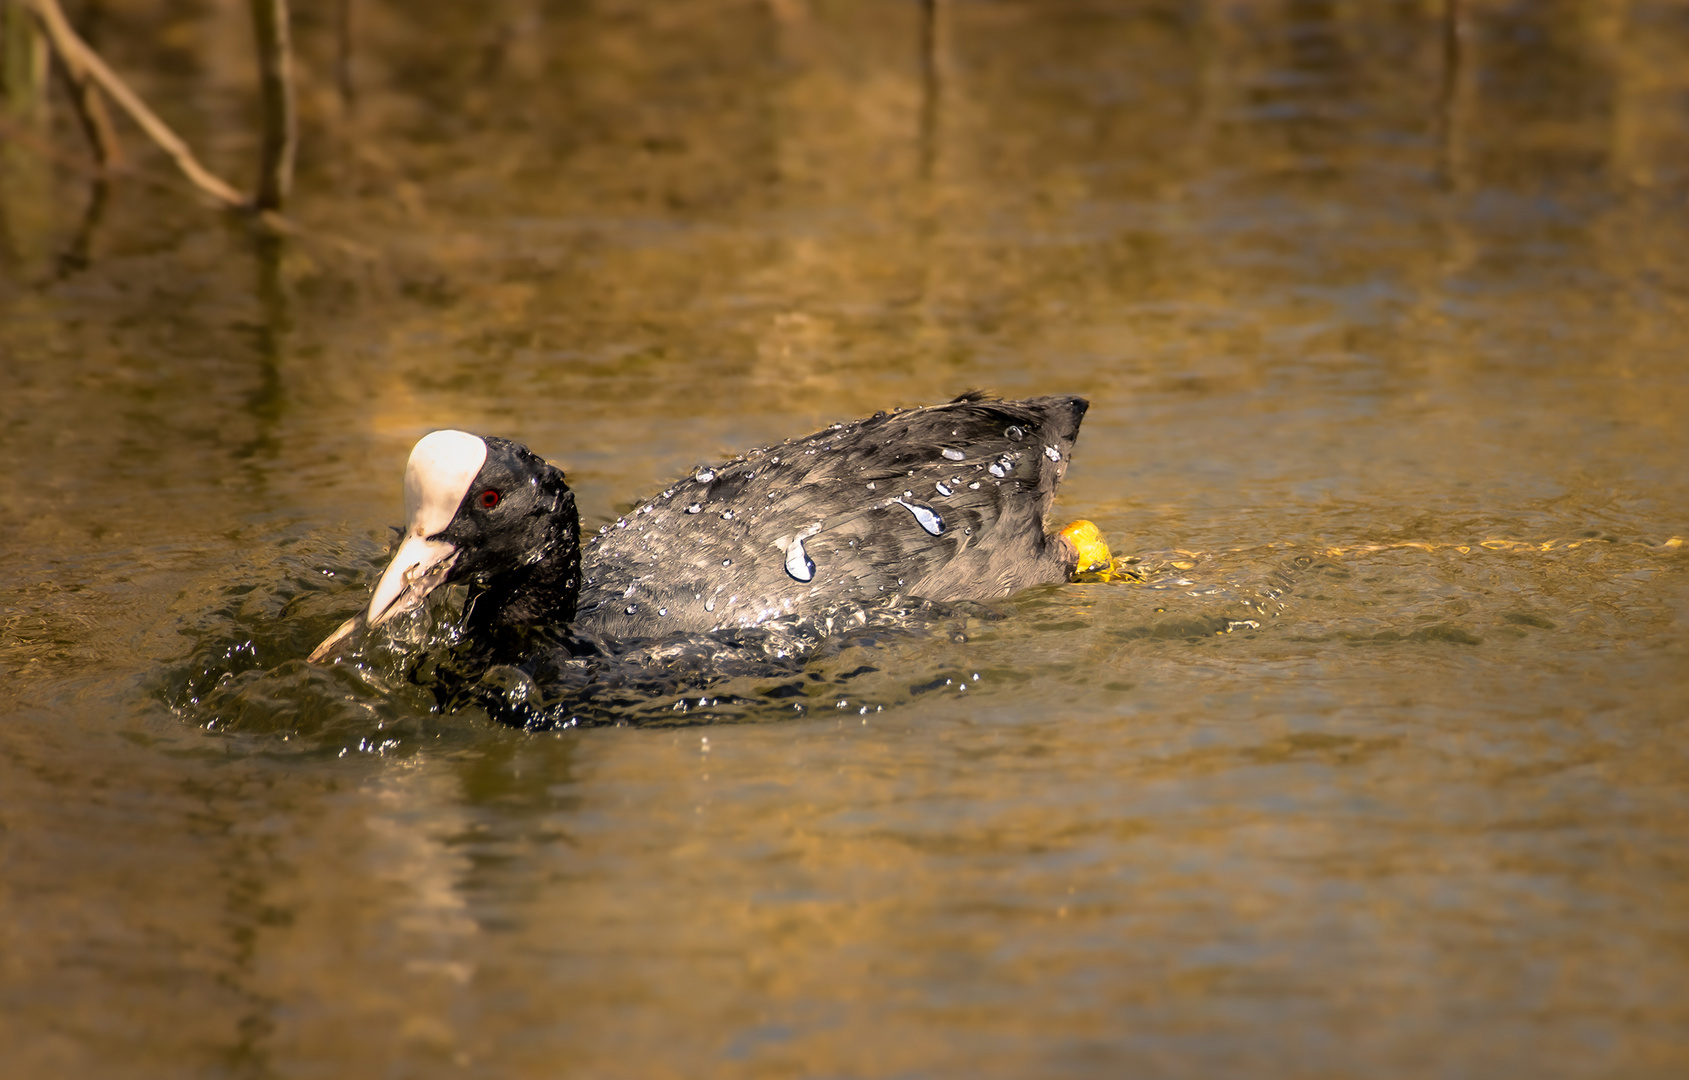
[{"x": 946, "y": 503}]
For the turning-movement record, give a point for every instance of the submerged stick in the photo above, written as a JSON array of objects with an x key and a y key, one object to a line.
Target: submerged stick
[
  {"x": 91, "y": 113},
  {"x": 343, "y": 55},
  {"x": 1448, "y": 95},
  {"x": 76, "y": 52},
  {"x": 75, "y": 257},
  {"x": 932, "y": 82},
  {"x": 275, "y": 84}
]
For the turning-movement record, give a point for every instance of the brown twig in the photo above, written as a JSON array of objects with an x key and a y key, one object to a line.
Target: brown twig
[
  {"x": 1448, "y": 96},
  {"x": 932, "y": 82},
  {"x": 76, "y": 54},
  {"x": 275, "y": 81},
  {"x": 91, "y": 113},
  {"x": 343, "y": 55}
]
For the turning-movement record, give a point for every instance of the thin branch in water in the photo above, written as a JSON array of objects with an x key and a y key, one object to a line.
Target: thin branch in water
[
  {"x": 1448, "y": 95},
  {"x": 75, "y": 258},
  {"x": 275, "y": 83},
  {"x": 90, "y": 109},
  {"x": 932, "y": 82},
  {"x": 76, "y": 53},
  {"x": 343, "y": 55}
]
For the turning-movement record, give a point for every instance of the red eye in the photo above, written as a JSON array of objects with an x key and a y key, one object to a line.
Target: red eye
[{"x": 489, "y": 499}]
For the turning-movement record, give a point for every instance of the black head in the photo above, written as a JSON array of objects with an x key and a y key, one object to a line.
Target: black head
[
  {"x": 490, "y": 512},
  {"x": 516, "y": 513}
]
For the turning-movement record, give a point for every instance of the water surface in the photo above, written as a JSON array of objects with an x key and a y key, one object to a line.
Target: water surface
[{"x": 1380, "y": 770}]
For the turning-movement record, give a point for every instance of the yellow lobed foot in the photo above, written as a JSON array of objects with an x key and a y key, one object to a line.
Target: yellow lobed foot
[{"x": 1088, "y": 540}]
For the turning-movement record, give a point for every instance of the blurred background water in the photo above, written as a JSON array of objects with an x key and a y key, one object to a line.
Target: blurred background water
[{"x": 1379, "y": 771}]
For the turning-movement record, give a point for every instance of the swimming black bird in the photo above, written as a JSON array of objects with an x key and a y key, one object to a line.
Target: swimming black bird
[{"x": 947, "y": 502}]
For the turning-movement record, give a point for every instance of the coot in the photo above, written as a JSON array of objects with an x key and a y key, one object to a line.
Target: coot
[{"x": 946, "y": 502}]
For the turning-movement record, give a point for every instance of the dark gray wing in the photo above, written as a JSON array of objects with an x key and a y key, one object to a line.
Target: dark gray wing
[{"x": 946, "y": 502}]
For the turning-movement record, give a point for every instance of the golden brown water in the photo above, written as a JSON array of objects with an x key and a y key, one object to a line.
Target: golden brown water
[{"x": 1381, "y": 772}]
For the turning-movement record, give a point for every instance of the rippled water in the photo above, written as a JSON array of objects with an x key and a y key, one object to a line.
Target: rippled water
[{"x": 1377, "y": 768}]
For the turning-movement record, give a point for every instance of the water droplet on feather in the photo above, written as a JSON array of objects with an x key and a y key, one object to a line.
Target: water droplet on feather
[
  {"x": 953, "y": 454},
  {"x": 925, "y": 517},
  {"x": 798, "y": 562}
]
